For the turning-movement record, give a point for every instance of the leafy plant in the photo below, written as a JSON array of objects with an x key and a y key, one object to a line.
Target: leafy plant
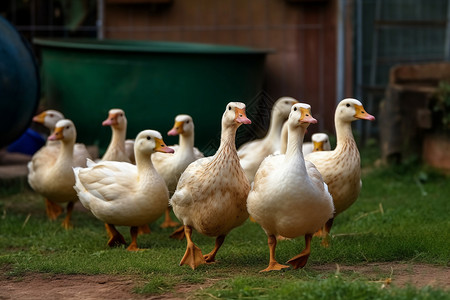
[{"x": 441, "y": 106}]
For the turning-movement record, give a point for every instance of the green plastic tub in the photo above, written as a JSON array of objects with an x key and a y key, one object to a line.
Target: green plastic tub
[{"x": 152, "y": 81}]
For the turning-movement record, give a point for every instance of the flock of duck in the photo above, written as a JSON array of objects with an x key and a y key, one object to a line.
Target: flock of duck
[{"x": 289, "y": 187}]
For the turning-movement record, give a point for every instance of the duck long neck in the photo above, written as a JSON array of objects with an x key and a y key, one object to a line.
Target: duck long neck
[
  {"x": 118, "y": 138},
  {"x": 227, "y": 146},
  {"x": 295, "y": 142},
  {"x": 144, "y": 165},
  {"x": 344, "y": 135},
  {"x": 276, "y": 124},
  {"x": 186, "y": 142},
  {"x": 66, "y": 153}
]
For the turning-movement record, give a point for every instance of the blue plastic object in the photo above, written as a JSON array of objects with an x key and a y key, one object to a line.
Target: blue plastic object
[
  {"x": 28, "y": 143},
  {"x": 19, "y": 84}
]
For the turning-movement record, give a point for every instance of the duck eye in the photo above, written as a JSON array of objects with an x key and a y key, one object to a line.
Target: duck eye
[
  {"x": 295, "y": 108},
  {"x": 121, "y": 115},
  {"x": 67, "y": 127},
  {"x": 348, "y": 105},
  {"x": 50, "y": 115},
  {"x": 187, "y": 122},
  {"x": 286, "y": 102},
  {"x": 148, "y": 138},
  {"x": 229, "y": 107}
]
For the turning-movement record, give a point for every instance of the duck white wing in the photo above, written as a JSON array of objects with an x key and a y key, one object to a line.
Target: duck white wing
[
  {"x": 267, "y": 167},
  {"x": 105, "y": 181},
  {"x": 315, "y": 176}
]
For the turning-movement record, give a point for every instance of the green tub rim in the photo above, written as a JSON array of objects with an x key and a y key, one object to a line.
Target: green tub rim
[{"x": 114, "y": 45}]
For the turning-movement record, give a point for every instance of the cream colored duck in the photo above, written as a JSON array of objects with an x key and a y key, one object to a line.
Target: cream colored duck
[
  {"x": 211, "y": 193},
  {"x": 49, "y": 118},
  {"x": 320, "y": 142},
  {"x": 123, "y": 194},
  {"x": 116, "y": 150},
  {"x": 54, "y": 178},
  {"x": 251, "y": 154},
  {"x": 289, "y": 197},
  {"x": 171, "y": 166},
  {"x": 341, "y": 168}
]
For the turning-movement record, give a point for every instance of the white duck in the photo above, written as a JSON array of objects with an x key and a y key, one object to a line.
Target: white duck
[
  {"x": 116, "y": 150},
  {"x": 49, "y": 118},
  {"x": 171, "y": 166},
  {"x": 253, "y": 153},
  {"x": 341, "y": 168},
  {"x": 289, "y": 197},
  {"x": 123, "y": 194},
  {"x": 211, "y": 193},
  {"x": 54, "y": 178}
]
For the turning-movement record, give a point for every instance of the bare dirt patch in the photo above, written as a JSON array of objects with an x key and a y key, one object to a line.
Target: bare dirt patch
[
  {"x": 44, "y": 286},
  {"x": 398, "y": 274},
  {"x": 90, "y": 287}
]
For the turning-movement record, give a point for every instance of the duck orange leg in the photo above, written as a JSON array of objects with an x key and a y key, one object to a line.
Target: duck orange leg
[
  {"x": 193, "y": 255},
  {"x": 134, "y": 231},
  {"x": 115, "y": 238},
  {"x": 168, "y": 222},
  {"x": 210, "y": 257},
  {"x": 326, "y": 233},
  {"x": 300, "y": 260},
  {"x": 52, "y": 209},
  {"x": 273, "y": 264},
  {"x": 66, "y": 223},
  {"x": 178, "y": 234},
  {"x": 144, "y": 229}
]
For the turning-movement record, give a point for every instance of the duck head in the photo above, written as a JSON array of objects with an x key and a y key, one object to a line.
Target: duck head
[
  {"x": 234, "y": 115},
  {"x": 183, "y": 125},
  {"x": 48, "y": 118},
  {"x": 282, "y": 107},
  {"x": 116, "y": 118},
  {"x": 301, "y": 115},
  {"x": 149, "y": 141},
  {"x": 64, "y": 131},
  {"x": 351, "y": 109}
]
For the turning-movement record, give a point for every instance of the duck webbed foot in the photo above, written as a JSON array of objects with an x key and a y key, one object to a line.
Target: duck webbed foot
[
  {"x": 299, "y": 261},
  {"x": 193, "y": 255},
  {"x": 115, "y": 238}
]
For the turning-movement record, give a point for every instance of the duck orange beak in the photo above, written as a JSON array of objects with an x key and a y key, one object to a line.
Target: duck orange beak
[
  {"x": 318, "y": 146},
  {"x": 40, "y": 118},
  {"x": 112, "y": 120},
  {"x": 57, "y": 134},
  {"x": 362, "y": 114},
  {"x": 161, "y": 147},
  {"x": 241, "y": 117},
  {"x": 306, "y": 116},
  {"x": 177, "y": 129}
]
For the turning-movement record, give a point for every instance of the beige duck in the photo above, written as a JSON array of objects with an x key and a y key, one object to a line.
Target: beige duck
[
  {"x": 211, "y": 193},
  {"x": 341, "y": 168},
  {"x": 116, "y": 150},
  {"x": 49, "y": 118},
  {"x": 289, "y": 197},
  {"x": 54, "y": 178},
  {"x": 171, "y": 166},
  {"x": 252, "y": 153},
  {"x": 123, "y": 194}
]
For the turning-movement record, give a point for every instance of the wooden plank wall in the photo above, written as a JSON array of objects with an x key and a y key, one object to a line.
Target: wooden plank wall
[{"x": 302, "y": 33}]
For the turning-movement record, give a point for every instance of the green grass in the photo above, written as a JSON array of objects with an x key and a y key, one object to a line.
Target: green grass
[{"x": 401, "y": 215}]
